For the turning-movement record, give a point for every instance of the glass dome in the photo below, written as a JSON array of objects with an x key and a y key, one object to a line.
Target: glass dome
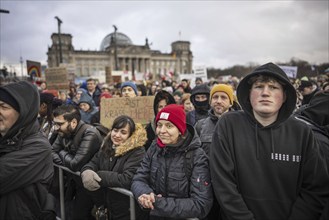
[{"x": 122, "y": 40}]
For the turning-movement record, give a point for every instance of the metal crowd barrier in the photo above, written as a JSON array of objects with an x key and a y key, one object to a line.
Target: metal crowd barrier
[{"x": 61, "y": 192}]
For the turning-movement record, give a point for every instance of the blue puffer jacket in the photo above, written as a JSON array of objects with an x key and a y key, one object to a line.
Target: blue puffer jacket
[{"x": 162, "y": 172}]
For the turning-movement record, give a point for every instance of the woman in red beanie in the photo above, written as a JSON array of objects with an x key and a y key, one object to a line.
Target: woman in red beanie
[{"x": 173, "y": 181}]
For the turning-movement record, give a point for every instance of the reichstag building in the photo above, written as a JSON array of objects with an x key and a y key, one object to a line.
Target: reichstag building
[{"x": 118, "y": 52}]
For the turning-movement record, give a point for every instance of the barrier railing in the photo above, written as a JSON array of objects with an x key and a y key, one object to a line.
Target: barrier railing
[{"x": 61, "y": 192}]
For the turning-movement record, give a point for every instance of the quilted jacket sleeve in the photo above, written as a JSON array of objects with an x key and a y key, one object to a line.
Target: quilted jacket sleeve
[
  {"x": 200, "y": 201},
  {"x": 89, "y": 145}
]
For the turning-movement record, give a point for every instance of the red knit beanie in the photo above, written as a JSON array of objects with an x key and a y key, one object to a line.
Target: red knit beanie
[
  {"x": 175, "y": 114},
  {"x": 105, "y": 95}
]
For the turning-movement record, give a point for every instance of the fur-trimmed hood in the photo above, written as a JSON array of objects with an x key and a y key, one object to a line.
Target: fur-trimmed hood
[{"x": 136, "y": 140}]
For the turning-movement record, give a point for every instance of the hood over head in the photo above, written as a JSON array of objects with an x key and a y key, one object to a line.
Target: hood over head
[
  {"x": 82, "y": 90},
  {"x": 85, "y": 98},
  {"x": 162, "y": 94},
  {"x": 272, "y": 70},
  {"x": 27, "y": 97},
  {"x": 7, "y": 98},
  {"x": 200, "y": 89},
  {"x": 318, "y": 108}
]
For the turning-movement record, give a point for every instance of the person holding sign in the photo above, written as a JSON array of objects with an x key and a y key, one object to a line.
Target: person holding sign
[
  {"x": 115, "y": 165},
  {"x": 129, "y": 90},
  {"x": 173, "y": 181}
]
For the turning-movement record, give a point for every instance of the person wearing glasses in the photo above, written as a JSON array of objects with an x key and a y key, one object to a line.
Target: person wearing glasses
[{"x": 76, "y": 144}]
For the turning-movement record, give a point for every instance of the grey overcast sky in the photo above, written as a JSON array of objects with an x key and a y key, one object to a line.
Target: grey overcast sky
[{"x": 222, "y": 33}]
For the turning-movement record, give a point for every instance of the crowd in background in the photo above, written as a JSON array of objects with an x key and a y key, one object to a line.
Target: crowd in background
[{"x": 135, "y": 157}]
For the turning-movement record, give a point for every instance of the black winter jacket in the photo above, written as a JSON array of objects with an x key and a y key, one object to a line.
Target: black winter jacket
[
  {"x": 96, "y": 96},
  {"x": 75, "y": 152},
  {"x": 162, "y": 172},
  {"x": 118, "y": 170},
  {"x": 26, "y": 167},
  {"x": 205, "y": 129}
]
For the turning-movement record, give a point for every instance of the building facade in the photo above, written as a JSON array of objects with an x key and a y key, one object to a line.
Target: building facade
[{"x": 117, "y": 52}]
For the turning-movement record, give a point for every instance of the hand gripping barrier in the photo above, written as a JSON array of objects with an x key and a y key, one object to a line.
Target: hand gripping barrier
[{"x": 61, "y": 192}]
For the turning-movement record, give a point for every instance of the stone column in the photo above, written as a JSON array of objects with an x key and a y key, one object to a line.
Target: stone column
[
  {"x": 143, "y": 65},
  {"x": 108, "y": 75},
  {"x": 124, "y": 63}
]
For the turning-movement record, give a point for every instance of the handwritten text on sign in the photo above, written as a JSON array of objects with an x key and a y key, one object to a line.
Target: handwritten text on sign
[{"x": 140, "y": 109}]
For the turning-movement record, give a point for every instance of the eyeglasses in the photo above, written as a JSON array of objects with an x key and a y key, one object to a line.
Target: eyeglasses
[{"x": 57, "y": 125}]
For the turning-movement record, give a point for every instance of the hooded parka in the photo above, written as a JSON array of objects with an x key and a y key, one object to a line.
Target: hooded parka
[
  {"x": 87, "y": 116},
  {"x": 200, "y": 108},
  {"x": 205, "y": 129},
  {"x": 26, "y": 167}
]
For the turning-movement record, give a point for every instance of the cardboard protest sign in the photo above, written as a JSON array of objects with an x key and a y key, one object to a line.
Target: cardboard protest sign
[
  {"x": 140, "y": 109},
  {"x": 33, "y": 68},
  {"x": 57, "y": 78},
  {"x": 291, "y": 71}
]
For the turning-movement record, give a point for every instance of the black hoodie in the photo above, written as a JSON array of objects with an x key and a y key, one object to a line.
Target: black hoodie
[
  {"x": 26, "y": 166},
  {"x": 267, "y": 172}
]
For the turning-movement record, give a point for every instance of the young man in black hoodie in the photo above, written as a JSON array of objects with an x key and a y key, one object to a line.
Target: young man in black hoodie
[{"x": 264, "y": 163}]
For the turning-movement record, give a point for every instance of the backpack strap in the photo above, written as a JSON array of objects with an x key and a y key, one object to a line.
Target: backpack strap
[
  {"x": 101, "y": 129},
  {"x": 188, "y": 164},
  {"x": 79, "y": 134}
]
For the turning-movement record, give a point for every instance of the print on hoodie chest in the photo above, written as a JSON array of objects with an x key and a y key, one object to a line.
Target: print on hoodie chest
[{"x": 286, "y": 157}]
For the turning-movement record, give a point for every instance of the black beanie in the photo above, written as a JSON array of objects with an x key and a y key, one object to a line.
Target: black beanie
[{"x": 9, "y": 99}]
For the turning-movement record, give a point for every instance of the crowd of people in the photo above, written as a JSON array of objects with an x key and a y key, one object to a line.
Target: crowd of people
[{"x": 255, "y": 148}]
